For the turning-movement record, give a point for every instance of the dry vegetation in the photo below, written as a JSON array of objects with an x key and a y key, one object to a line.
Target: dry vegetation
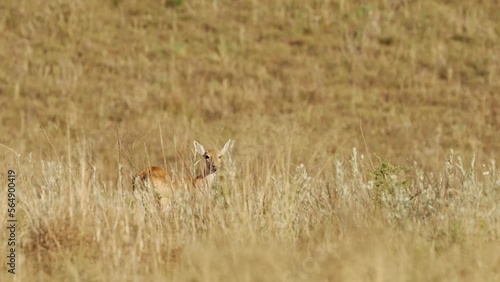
[{"x": 366, "y": 134}]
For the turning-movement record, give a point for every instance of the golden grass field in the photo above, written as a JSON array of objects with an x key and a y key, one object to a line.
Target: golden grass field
[{"x": 366, "y": 134}]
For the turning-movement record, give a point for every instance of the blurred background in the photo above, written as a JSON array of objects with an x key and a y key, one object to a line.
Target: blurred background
[
  {"x": 366, "y": 138},
  {"x": 400, "y": 79}
]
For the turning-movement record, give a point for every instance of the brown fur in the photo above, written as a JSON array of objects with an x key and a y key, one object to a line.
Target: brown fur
[{"x": 164, "y": 184}]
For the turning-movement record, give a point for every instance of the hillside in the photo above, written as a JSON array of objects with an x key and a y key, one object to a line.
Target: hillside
[{"x": 366, "y": 138}]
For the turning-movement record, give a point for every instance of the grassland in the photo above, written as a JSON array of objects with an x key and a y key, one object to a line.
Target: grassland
[{"x": 366, "y": 138}]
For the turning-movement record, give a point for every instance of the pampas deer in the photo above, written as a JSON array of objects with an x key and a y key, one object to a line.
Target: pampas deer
[{"x": 164, "y": 184}]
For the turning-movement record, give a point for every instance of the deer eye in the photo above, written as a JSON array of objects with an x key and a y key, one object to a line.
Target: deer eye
[{"x": 207, "y": 157}]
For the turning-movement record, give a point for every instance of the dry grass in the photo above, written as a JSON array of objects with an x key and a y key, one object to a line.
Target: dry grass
[{"x": 92, "y": 91}]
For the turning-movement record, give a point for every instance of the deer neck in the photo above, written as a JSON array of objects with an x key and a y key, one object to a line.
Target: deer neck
[{"x": 204, "y": 180}]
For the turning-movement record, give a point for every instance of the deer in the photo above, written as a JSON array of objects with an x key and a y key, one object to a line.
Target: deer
[{"x": 164, "y": 185}]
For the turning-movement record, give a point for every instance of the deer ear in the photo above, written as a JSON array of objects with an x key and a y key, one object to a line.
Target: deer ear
[
  {"x": 198, "y": 148},
  {"x": 227, "y": 147}
]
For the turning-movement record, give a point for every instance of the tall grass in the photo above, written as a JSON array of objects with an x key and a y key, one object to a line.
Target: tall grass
[
  {"x": 269, "y": 218},
  {"x": 343, "y": 112}
]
